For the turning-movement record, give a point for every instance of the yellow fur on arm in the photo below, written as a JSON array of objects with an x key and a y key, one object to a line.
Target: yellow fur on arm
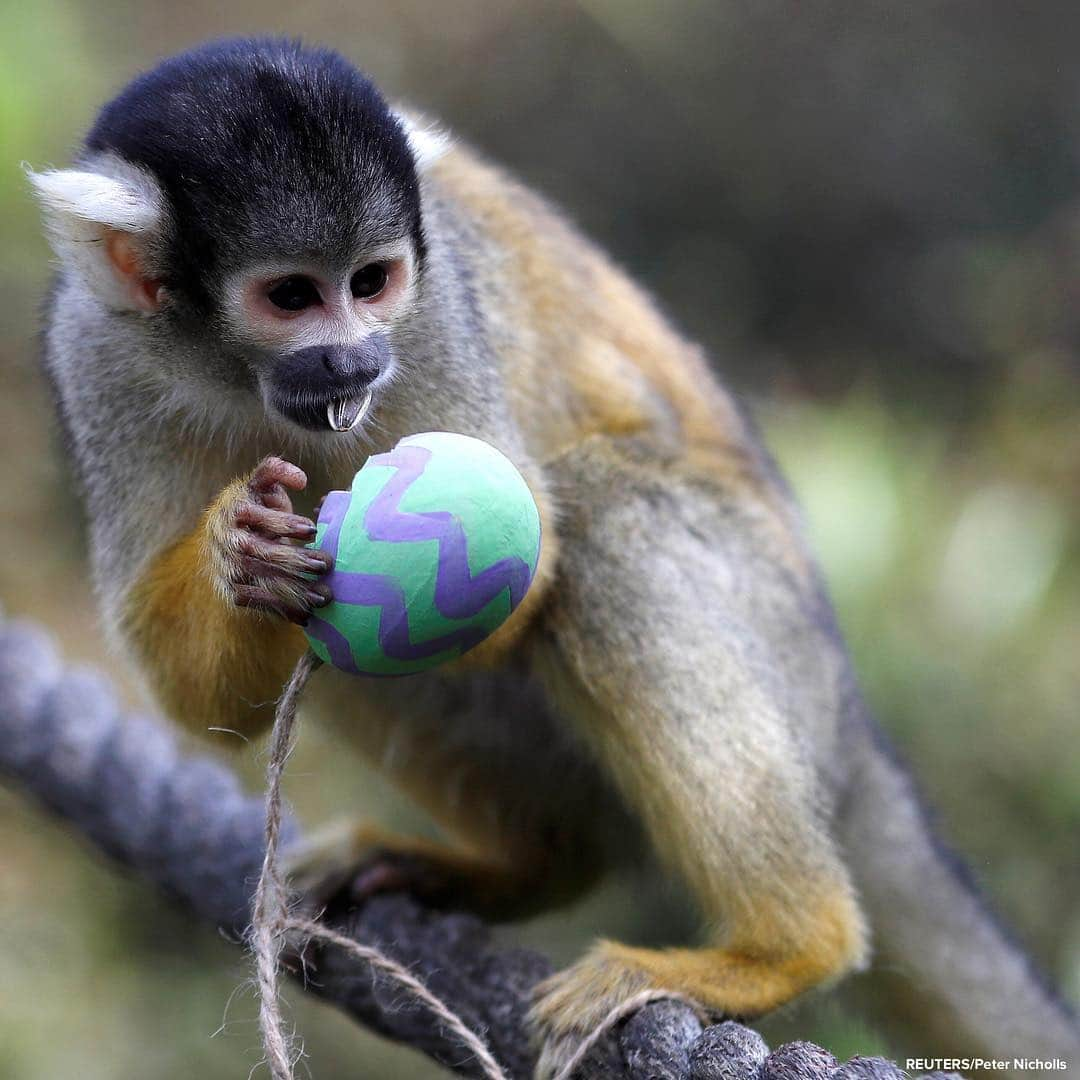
[{"x": 210, "y": 664}]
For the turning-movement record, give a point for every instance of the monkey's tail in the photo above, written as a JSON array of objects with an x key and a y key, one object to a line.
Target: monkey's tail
[{"x": 930, "y": 922}]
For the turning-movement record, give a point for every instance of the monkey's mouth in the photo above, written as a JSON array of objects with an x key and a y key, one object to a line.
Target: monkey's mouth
[
  {"x": 346, "y": 413},
  {"x": 319, "y": 413}
]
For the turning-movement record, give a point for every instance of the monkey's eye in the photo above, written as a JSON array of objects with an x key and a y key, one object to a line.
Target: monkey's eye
[
  {"x": 294, "y": 294},
  {"x": 368, "y": 281}
]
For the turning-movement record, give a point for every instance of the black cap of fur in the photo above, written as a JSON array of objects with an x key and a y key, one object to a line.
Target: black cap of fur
[{"x": 265, "y": 149}]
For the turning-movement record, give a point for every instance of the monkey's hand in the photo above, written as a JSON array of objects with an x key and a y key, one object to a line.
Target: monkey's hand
[{"x": 253, "y": 542}]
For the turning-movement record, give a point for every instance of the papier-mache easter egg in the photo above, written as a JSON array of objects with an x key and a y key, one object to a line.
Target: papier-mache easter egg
[{"x": 434, "y": 547}]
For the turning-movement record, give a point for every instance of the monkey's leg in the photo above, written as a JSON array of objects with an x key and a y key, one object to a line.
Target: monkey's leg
[
  {"x": 685, "y": 649},
  {"x": 209, "y": 618}
]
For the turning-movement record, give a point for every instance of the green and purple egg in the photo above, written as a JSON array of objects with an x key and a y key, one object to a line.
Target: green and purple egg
[{"x": 434, "y": 547}]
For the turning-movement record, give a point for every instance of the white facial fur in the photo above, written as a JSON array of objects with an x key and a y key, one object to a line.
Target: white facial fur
[{"x": 339, "y": 318}]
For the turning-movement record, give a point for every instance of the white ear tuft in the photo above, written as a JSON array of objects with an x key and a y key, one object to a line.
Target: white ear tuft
[
  {"x": 427, "y": 142},
  {"x": 81, "y": 206},
  {"x": 95, "y": 199}
]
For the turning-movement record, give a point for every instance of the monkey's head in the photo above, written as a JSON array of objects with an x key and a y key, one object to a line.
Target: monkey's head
[{"x": 261, "y": 200}]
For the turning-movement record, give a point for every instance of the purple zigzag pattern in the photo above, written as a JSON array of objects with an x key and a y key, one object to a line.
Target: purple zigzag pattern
[
  {"x": 458, "y": 593},
  {"x": 337, "y": 647}
]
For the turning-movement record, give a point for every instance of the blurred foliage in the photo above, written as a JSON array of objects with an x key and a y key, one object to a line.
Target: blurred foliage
[{"x": 868, "y": 212}]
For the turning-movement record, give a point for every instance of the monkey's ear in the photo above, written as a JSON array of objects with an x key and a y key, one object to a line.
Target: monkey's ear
[
  {"x": 104, "y": 228},
  {"x": 427, "y": 142}
]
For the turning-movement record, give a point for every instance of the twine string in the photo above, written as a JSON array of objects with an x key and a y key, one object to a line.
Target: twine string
[{"x": 272, "y": 924}]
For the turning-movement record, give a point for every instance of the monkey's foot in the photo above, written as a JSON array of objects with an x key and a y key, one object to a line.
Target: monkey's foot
[
  {"x": 574, "y": 1003},
  {"x": 255, "y": 539},
  {"x": 351, "y": 862}
]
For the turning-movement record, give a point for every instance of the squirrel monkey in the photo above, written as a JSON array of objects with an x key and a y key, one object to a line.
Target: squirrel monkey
[{"x": 267, "y": 274}]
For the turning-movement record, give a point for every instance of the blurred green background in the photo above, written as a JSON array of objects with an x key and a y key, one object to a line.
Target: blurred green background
[{"x": 870, "y": 213}]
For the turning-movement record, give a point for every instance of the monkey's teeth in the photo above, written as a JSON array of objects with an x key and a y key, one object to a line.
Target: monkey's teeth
[{"x": 344, "y": 415}]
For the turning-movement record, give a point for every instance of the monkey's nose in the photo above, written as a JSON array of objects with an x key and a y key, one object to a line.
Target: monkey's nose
[{"x": 352, "y": 362}]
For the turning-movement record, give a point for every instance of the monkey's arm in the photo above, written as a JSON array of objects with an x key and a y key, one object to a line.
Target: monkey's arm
[
  {"x": 208, "y": 619},
  {"x": 690, "y": 654}
]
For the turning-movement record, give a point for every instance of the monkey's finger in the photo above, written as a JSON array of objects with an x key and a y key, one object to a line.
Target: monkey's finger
[
  {"x": 320, "y": 594},
  {"x": 275, "y": 470},
  {"x": 274, "y": 498},
  {"x": 295, "y": 609},
  {"x": 286, "y": 582},
  {"x": 275, "y": 523},
  {"x": 265, "y": 602},
  {"x": 278, "y": 564},
  {"x": 274, "y": 552}
]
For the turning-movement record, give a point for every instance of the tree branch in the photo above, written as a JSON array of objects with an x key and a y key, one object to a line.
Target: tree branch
[{"x": 183, "y": 822}]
